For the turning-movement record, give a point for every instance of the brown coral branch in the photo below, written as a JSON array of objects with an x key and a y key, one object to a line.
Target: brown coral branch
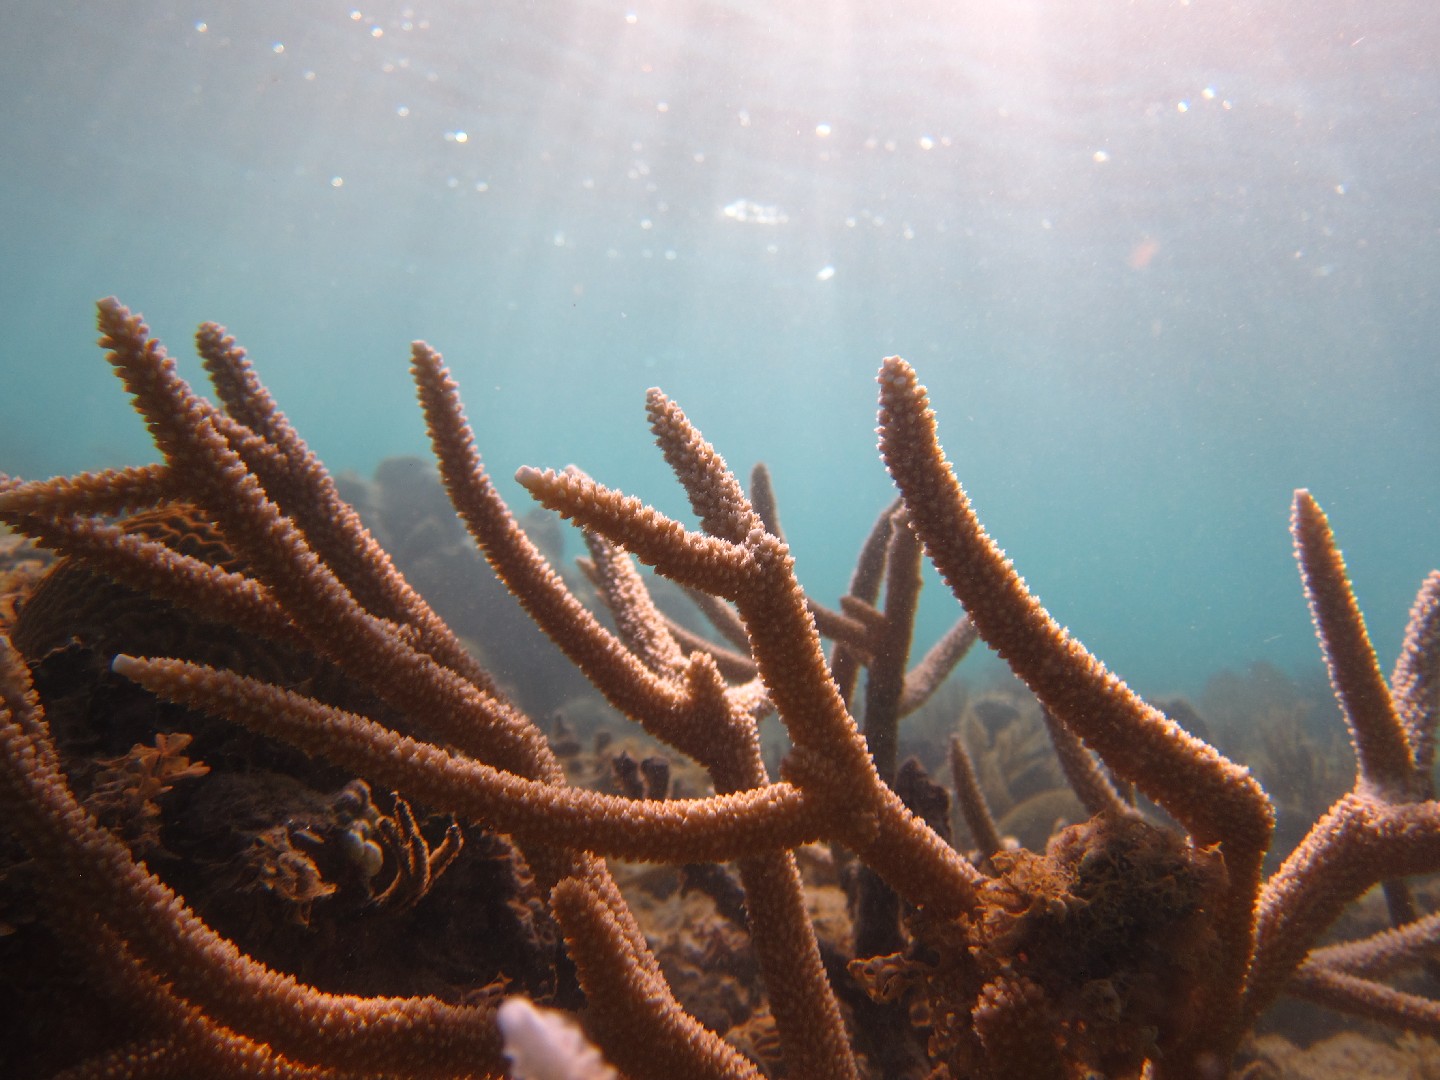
[
  {"x": 1384, "y": 952},
  {"x": 113, "y": 492},
  {"x": 930, "y": 673},
  {"x": 714, "y": 829},
  {"x": 276, "y": 551},
  {"x": 195, "y": 1044},
  {"x": 264, "y": 488},
  {"x": 1082, "y": 772},
  {"x": 830, "y": 760},
  {"x": 651, "y": 1036},
  {"x": 1216, "y": 800},
  {"x": 149, "y": 566},
  {"x": 762, "y": 497},
  {"x": 301, "y": 485},
  {"x": 643, "y": 673},
  {"x": 638, "y": 622},
  {"x": 1379, "y": 830},
  {"x": 973, "y": 808},
  {"x": 616, "y": 672},
  {"x": 1415, "y": 683},
  {"x": 413, "y": 1036},
  {"x": 1357, "y": 996},
  {"x": 1358, "y": 842},
  {"x": 722, "y": 617},
  {"x": 1382, "y": 751},
  {"x": 806, "y": 1013},
  {"x": 847, "y": 657},
  {"x": 732, "y": 665},
  {"x": 885, "y": 684}
]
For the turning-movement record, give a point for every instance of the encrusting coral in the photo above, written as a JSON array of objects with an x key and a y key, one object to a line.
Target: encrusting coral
[{"x": 1127, "y": 947}]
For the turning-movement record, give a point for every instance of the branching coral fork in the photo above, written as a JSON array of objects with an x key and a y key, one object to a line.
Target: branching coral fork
[
  {"x": 203, "y": 464},
  {"x": 1216, "y": 800},
  {"x": 738, "y": 559},
  {"x": 682, "y": 701},
  {"x": 1385, "y": 827}
]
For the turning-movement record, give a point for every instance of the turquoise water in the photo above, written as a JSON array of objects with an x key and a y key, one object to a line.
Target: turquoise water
[{"x": 1159, "y": 263}]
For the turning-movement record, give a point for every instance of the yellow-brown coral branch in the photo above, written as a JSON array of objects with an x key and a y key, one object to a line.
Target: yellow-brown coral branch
[
  {"x": 113, "y": 491},
  {"x": 1358, "y": 842},
  {"x": 1216, "y": 800},
  {"x": 714, "y": 829},
  {"x": 1381, "y": 747},
  {"x": 410, "y": 1036}
]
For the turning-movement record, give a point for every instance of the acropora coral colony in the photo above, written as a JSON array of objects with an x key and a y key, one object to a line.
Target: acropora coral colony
[{"x": 1137, "y": 943}]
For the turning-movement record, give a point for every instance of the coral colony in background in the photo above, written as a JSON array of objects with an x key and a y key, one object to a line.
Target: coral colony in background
[{"x": 267, "y": 813}]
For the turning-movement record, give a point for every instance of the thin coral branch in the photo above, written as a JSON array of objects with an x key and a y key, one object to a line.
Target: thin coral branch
[
  {"x": 277, "y": 553},
  {"x": 885, "y": 684},
  {"x": 1385, "y": 952},
  {"x": 617, "y": 673},
  {"x": 1082, "y": 772},
  {"x": 1351, "y": 994},
  {"x": 806, "y": 1013},
  {"x": 762, "y": 497},
  {"x": 1415, "y": 683},
  {"x": 805, "y": 1009},
  {"x": 930, "y": 673},
  {"x": 151, "y": 567},
  {"x": 973, "y": 808},
  {"x": 653, "y": 1038},
  {"x": 638, "y": 622},
  {"x": 722, "y": 617},
  {"x": 111, "y": 492},
  {"x": 1216, "y": 800},
  {"x": 732, "y": 665}
]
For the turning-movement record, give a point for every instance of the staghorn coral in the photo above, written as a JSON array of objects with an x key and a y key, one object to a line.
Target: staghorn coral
[{"x": 1126, "y": 946}]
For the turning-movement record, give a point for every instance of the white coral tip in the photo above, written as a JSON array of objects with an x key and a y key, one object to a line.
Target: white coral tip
[{"x": 544, "y": 1044}]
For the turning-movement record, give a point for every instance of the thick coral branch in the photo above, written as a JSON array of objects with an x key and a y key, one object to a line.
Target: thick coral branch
[
  {"x": 714, "y": 829},
  {"x": 1382, "y": 750},
  {"x": 409, "y": 1036},
  {"x": 1216, "y": 800},
  {"x": 643, "y": 1029},
  {"x": 1358, "y": 842}
]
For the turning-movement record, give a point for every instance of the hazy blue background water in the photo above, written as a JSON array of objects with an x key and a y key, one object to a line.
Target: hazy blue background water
[{"x": 1159, "y": 262}]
